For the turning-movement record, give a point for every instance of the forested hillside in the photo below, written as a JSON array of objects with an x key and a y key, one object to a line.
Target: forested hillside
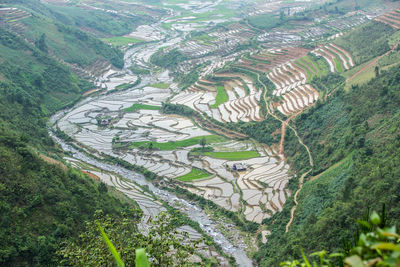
[
  {"x": 40, "y": 204},
  {"x": 375, "y": 34},
  {"x": 58, "y": 32},
  {"x": 355, "y": 143}
]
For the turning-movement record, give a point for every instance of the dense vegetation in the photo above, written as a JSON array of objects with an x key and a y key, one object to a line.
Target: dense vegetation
[
  {"x": 264, "y": 131},
  {"x": 65, "y": 39},
  {"x": 366, "y": 42},
  {"x": 265, "y": 21},
  {"x": 327, "y": 83},
  {"x": 169, "y": 60},
  {"x": 33, "y": 86},
  {"x": 355, "y": 143},
  {"x": 99, "y": 22},
  {"x": 161, "y": 240},
  {"x": 41, "y": 204},
  {"x": 92, "y": 45},
  {"x": 375, "y": 245},
  {"x": 270, "y": 21}
]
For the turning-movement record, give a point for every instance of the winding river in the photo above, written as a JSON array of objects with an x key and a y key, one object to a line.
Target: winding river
[{"x": 140, "y": 55}]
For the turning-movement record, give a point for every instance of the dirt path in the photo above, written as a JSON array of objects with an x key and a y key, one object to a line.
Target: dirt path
[
  {"x": 301, "y": 182},
  {"x": 373, "y": 62},
  {"x": 90, "y": 91},
  {"x": 283, "y": 131},
  {"x": 53, "y": 161},
  {"x": 286, "y": 124},
  {"x": 370, "y": 64}
]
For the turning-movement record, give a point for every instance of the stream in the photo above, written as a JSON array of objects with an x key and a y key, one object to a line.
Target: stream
[{"x": 141, "y": 55}]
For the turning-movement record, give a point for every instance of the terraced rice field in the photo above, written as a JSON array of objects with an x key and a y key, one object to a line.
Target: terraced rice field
[
  {"x": 135, "y": 107},
  {"x": 258, "y": 188},
  {"x": 150, "y": 206},
  {"x": 337, "y": 58},
  {"x": 173, "y": 137},
  {"x": 289, "y": 69},
  {"x": 147, "y": 203},
  {"x": 270, "y": 58},
  {"x": 391, "y": 18},
  {"x": 221, "y": 97},
  {"x": 160, "y": 85},
  {"x": 290, "y": 80},
  {"x": 111, "y": 79},
  {"x": 291, "y": 77},
  {"x": 233, "y": 104},
  {"x": 310, "y": 67},
  {"x": 12, "y": 16},
  {"x": 261, "y": 187}
]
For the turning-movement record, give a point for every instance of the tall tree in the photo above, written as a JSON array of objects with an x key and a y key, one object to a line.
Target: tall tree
[
  {"x": 41, "y": 43},
  {"x": 376, "y": 71},
  {"x": 203, "y": 142}
]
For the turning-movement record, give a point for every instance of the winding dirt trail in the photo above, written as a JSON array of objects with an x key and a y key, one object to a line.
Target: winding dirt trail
[
  {"x": 371, "y": 64},
  {"x": 301, "y": 182},
  {"x": 286, "y": 124},
  {"x": 283, "y": 131}
]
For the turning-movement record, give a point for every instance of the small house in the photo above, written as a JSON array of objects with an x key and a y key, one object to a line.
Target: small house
[
  {"x": 105, "y": 122},
  {"x": 239, "y": 167}
]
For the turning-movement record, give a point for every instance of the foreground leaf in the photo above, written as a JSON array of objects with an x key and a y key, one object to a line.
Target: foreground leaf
[
  {"x": 354, "y": 261},
  {"x": 386, "y": 246},
  {"x": 141, "y": 258},
  {"x": 111, "y": 247}
]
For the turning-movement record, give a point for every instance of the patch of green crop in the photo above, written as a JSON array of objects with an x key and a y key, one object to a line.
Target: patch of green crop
[
  {"x": 204, "y": 39},
  {"x": 221, "y": 97},
  {"x": 193, "y": 175},
  {"x": 338, "y": 65},
  {"x": 124, "y": 86},
  {"x": 238, "y": 155},
  {"x": 160, "y": 85},
  {"x": 135, "y": 107},
  {"x": 177, "y": 144}
]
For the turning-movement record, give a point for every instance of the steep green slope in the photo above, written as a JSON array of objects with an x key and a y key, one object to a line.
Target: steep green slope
[
  {"x": 40, "y": 204},
  {"x": 355, "y": 143},
  {"x": 96, "y": 21},
  {"x": 63, "y": 38},
  {"x": 88, "y": 17},
  {"x": 367, "y": 41},
  {"x": 33, "y": 78}
]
